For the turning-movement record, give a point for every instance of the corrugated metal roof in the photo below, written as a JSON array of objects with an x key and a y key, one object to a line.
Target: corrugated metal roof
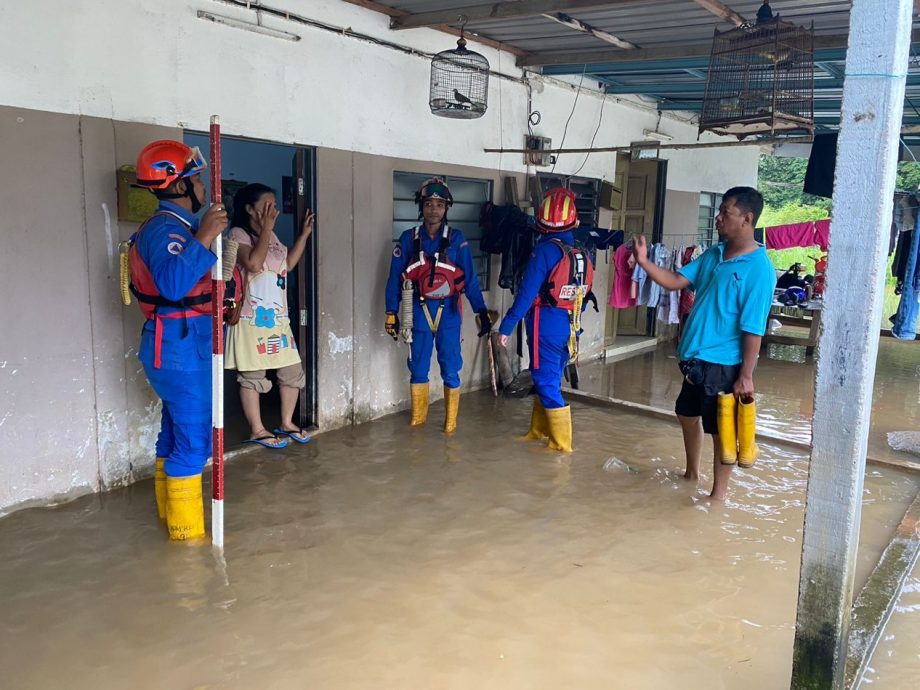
[{"x": 654, "y": 25}]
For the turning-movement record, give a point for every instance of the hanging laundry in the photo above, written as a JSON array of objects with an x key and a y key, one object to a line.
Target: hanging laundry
[
  {"x": 822, "y": 233},
  {"x": 791, "y": 235},
  {"x": 623, "y": 264},
  {"x": 662, "y": 258},
  {"x": 640, "y": 283},
  {"x": 905, "y": 320},
  {"x": 686, "y": 295}
]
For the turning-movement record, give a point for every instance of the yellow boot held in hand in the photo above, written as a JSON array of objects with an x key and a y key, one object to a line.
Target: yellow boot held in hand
[
  {"x": 726, "y": 406},
  {"x": 451, "y": 407},
  {"x": 538, "y": 424},
  {"x": 184, "y": 509},
  {"x": 159, "y": 487},
  {"x": 419, "y": 393},
  {"x": 559, "y": 428},
  {"x": 747, "y": 428}
]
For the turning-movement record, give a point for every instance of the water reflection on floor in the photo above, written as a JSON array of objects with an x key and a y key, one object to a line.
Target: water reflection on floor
[
  {"x": 785, "y": 398},
  {"x": 384, "y": 557},
  {"x": 784, "y": 381}
]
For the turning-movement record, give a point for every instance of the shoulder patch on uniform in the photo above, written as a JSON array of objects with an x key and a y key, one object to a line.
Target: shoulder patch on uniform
[
  {"x": 175, "y": 248},
  {"x": 397, "y": 251},
  {"x": 464, "y": 244},
  {"x": 174, "y": 236}
]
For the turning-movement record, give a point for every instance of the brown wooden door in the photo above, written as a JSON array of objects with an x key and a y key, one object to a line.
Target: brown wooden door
[{"x": 638, "y": 217}]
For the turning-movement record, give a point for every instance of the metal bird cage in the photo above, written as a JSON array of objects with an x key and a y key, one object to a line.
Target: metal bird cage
[
  {"x": 761, "y": 80},
  {"x": 459, "y": 83}
]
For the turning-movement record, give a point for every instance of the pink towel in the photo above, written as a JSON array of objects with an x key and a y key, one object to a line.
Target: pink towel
[
  {"x": 623, "y": 263},
  {"x": 822, "y": 233},
  {"x": 792, "y": 235}
]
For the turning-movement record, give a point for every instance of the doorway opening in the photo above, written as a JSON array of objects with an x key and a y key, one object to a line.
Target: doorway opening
[
  {"x": 633, "y": 329},
  {"x": 291, "y": 172}
]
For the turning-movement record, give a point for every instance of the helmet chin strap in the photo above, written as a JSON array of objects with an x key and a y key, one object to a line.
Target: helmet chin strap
[
  {"x": 192, "y": 197},
  {"x": 189, "y": 193}
]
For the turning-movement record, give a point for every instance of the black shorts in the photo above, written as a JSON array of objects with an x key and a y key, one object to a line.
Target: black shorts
[{"x": 698, "y": 399}]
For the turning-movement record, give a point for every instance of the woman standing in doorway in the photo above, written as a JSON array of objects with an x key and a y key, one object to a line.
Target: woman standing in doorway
[{"x": 262, "y": 339}]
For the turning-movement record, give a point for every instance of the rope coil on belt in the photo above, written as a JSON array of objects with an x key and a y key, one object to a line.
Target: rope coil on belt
[
  {"x": 406, "y": 314},
  {"x": 124, "y": 272},
  {"x": 575, "y": 320}
]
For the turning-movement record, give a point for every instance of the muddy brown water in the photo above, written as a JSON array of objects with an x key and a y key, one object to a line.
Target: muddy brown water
[
  {"x": 785, "y": 397},
  {"x": 380, "y": 556}
]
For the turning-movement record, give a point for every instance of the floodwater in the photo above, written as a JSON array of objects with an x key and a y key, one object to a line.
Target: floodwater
[
  {"x": 785, "y": 403},
  {"x": 381, "y": 556},
  {"x": 784, "y": 382}
]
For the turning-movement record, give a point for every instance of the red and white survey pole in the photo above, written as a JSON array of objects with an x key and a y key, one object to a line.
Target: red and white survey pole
[{"x": 217, "y": 358}]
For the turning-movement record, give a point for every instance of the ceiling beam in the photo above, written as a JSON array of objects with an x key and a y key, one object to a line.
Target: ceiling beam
[
  {"x": 586, "y": 28},
  {"x": 497, "y": 10},
  {"x": 394, "y": 13},
  {"x": 696, "y": 50},
  {"x": 722, "y": 11}
]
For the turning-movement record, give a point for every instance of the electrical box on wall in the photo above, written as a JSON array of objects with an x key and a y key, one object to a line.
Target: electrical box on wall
[
  {"x": 536, "y": 150},
  {"x": 610, "y": 196}
]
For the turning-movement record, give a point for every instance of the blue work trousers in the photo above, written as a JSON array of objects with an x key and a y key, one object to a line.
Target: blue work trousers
[
  {"x": 185, "y": 427},
  {"x": 554, "y": 357},
  {"x": 447, "y": 341}
]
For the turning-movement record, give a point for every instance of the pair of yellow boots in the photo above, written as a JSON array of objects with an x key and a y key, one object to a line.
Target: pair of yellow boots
[
  {"x": 555, "y": 425},
  {"x": 419, "y": 392},
  {"x": 179, "y": 503},
  {"x": 736, "y": 419}
]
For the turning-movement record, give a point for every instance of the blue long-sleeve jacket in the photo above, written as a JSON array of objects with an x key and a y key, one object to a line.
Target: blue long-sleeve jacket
[
  {"x": 176, "y": 261},
  {"x": 458, "y": 251},
  {"x": 553, "y": 320}
]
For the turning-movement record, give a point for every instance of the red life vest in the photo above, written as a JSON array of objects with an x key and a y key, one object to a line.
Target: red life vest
[
  {"x": 572, "y": 276},
  {"x": 435, "y": 277},
  {"x": 573, "y": 273},
  {"x": 196, "y": 303}
]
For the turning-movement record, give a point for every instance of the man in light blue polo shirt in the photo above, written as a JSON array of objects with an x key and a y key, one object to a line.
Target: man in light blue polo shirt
[{"x": 733, "y": 282}]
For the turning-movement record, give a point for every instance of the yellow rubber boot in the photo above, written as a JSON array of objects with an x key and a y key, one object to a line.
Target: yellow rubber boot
[
  {"x": 184, "y": 509},
  {"x": 559, "y": 428},
  {"x": 159, "y": 486},
  {"x": 451, "y": 407},
  {"x": 747, "y": 426},
  {"x": 419, "y": 392},
  {"x": 726, "y": 406},
  {"x": 538, "y": 425}
]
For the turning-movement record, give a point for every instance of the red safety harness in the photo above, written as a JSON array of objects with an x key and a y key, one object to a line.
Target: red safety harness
[
  {"x": 434, "y": 277},
  {"x": 564, "y": 288},
  {"x": 196, "y": 303}
]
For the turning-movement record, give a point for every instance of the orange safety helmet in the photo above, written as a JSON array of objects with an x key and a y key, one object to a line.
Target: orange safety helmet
[
  {"x": 557, "y": 213},
  {"x": 163, "y": 162}
]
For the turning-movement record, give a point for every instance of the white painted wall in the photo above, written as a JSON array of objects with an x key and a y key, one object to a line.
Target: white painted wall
[
  {"x": 133, "y": 71},
  {"x": 156, "y": 62}
]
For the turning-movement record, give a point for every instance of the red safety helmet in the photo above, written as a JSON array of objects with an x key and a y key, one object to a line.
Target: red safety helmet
[
  {"x": 557, "y": 213},
  {"x": 163, "y": 162}
]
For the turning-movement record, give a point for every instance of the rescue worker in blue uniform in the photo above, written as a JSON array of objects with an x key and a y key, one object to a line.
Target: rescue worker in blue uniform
[
  {"x": 556, "y": 281},
  {"x": 170, "y": 264},
  {"x": 432, "y": 265}
]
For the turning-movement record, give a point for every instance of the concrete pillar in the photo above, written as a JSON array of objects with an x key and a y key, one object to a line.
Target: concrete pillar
[{"x": 873, "y": 98}]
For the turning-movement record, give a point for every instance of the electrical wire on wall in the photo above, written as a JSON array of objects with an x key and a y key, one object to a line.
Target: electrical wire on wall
[
  {"x": 600, "y": 118},
  {"x": 569, "y": 119}
]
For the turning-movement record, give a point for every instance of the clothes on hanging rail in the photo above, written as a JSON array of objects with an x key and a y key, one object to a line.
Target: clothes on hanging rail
[
  {"x": 623, "y": 264},
  {"x": 904, "y": 322},
  {"x": 660, "y": 255},
  {"x": 809, "y": 233}
]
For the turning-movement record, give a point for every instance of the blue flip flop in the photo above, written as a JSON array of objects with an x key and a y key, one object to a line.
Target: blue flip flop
[
  {"x": 263, "y": 441},
  {"x": 290, "y": 434}
]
